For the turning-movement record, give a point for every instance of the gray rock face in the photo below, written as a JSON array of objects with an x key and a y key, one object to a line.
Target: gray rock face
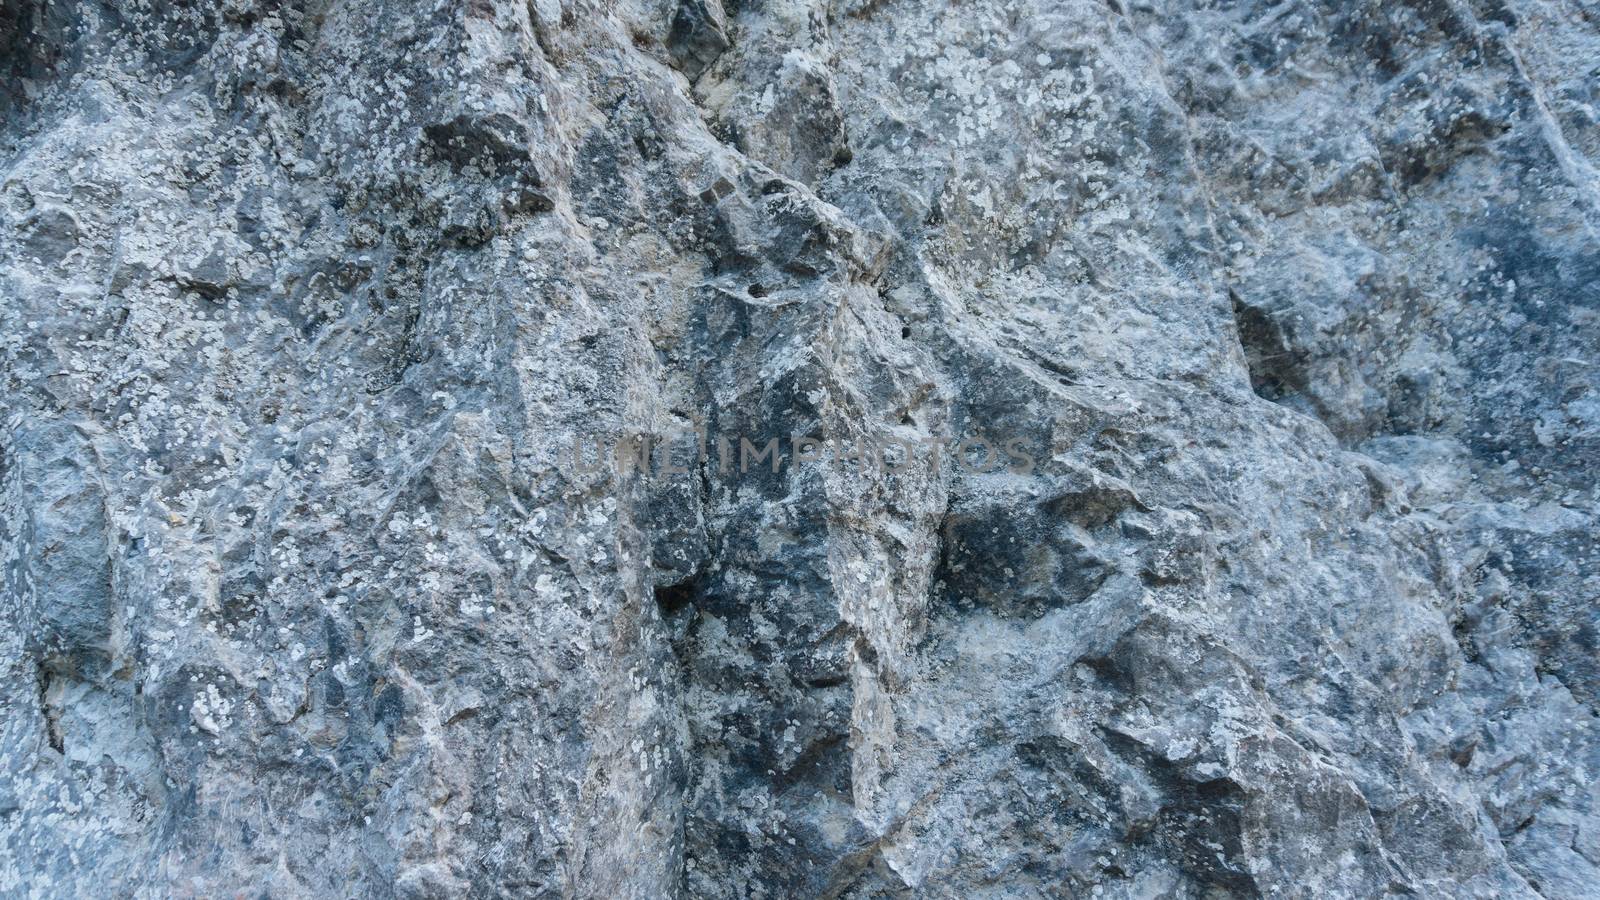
[{"x": 1274, "y": 575}]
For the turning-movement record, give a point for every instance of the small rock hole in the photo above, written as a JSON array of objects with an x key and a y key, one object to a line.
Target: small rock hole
[{"x": 673, "y": 598}]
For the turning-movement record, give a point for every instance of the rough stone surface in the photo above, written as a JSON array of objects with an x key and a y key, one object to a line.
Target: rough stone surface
[{"x": 1294, "y": 306}]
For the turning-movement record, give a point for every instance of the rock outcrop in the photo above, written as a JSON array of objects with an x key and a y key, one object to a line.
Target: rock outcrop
[{"x": 777, "y": 448}]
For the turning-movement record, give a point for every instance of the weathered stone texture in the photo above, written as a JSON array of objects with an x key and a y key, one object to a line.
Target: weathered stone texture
[{"x": 1293, "y": 306}]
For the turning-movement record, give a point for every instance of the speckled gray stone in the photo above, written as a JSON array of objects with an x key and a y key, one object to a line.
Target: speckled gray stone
[{"x": 1292, "y": 307}]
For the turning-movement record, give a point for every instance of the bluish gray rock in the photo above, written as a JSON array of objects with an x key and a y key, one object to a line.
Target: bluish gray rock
[{"x": 870, "y": 449}]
